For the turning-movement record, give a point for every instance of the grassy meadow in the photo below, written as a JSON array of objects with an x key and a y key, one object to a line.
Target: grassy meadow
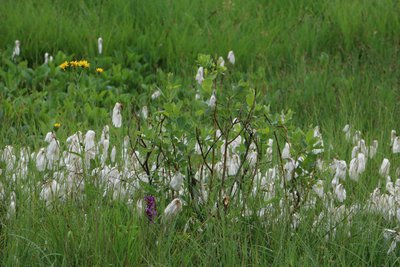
[{"x": 247, "y": 161}]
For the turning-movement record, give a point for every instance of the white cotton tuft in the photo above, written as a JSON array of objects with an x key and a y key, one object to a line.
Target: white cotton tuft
[
  {"x": 393, "y": 135},
  {"x": 200, "y": 75},
  {"x": 173, "y": 208},
  {"x": 177, "y": 181},
  {"x": 100, "y": 45},
  {"x": 53, "y": 152},
  {"x": 396, "y": 145},
  {"x": 385, "y": 168},
  {"x": 357, "y": 166},
  {"x": 233, "y": 164},
  {"x": 221, "y": 62},
  {"x": 289, "y": 168},
  {"x": 231, "y": 57},
  {"x": 113, "y": 154},
  {"x": 156, "y": 94},
  {"x": 145, "y": 112},
  {"x": 340, "y": 168},
  {"x": 340, "y": 192},
  {"x": 90, "y": 147},
  {"x": 213, "y": 101},
  {"x": 17, "y": 49},
  {"x": 318, "y": 188},
  {"x": 269, "y": 150},
  {"x": 46, "y": 58},
  {"x": 286, "y": 151},
  {"x": 41, "y": 161},
  {"x": 116, "y": 116}
]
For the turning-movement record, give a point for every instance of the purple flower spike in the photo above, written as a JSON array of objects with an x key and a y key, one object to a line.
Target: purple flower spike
[{"x": 151, "y": 211}]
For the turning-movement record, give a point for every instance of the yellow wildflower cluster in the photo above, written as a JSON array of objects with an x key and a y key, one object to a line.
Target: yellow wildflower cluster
[
  {"x": 75, "y": 64},
  {"x": 99, "y": 70}
]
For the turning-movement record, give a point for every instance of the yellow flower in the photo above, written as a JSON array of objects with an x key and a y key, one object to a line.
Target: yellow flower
[
  {"x": 56, "y": 126},
  {"x": 74, "y": 63},
  {"x": 99, "y": 70},
  {"x": 84, "y": 64},
  {"x": 64, "y": 65}
]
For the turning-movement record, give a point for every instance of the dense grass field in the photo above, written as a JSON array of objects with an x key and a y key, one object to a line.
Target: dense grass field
[{"x": 126, "y": 159}]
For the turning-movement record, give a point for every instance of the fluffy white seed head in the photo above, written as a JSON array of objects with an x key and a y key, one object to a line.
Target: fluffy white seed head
[
  {"x": 173, "y": 208},
  {"x": 385, "y": 168},
  {"x": 116, "y": 116},
  {"x": 318, "y": 188},
  {"x": 213, "y": 101},
  {"x": 100, "y": 45},
  {"x": 200, "y": 75},
  {"x": 177, "y": 182},
  {"x": 286, "y": 151},
  {"x": 46, "y": 58},
  {"x": 231, "y": 57},
  {"x": 221, "y": 62},
  {"x": 17, "y": 49},
  {"x": 393, "y": 135},
  {"x": 396, "y": 145},
  {"x": 340, "y": 192},
  {"x": 156, "y": 95}
]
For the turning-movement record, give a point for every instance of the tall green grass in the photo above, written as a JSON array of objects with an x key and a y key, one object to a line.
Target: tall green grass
[{"x": 338, "y": 57}]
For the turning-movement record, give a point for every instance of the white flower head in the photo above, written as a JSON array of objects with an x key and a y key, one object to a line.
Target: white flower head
[
  {"x": 231, "y": 57},
  {"x": 49, "y": 136},
  {"x": 156, "y": 95},
  {"x": 269, "y": 154},
  {"x": 212, "y": 101},
  {"x": 177, "y": 181},
  {"x": 363, "y": 147},
  {"x": 17, "y": 49},
  {"x": 340, "y": 168},
  {"x": 53, "y": 153},
  {"x": 200, "y": 75},
  {"x": 46, "y": 58},
  {"x": 41, "y": 160},
  {"x": 197, "y": 96},
  {"x": 116, "y": 116},
  {"x": 340, "y": 193},
  {"x": 289, "y": 168},
  {"x": 396, "y": 145},
  {"x": 385, "y": 168},
  {"x": 173, "y": 208},
  {"x": 318, "y": 188},
  {"x": 354, "y": 152},
  {"x": 105, "y": 134},
  {"x": 221, "y": 62},
  {"x": 286, "y": 151},
  {"x": 113, "y": 154},
  {"x": 145, "y": 112},
  {"x": 233, "y": 164},
  {"x": 100, "y": 45},
  {"x": 393, "y": 135},
  {"x": 357, "y": 166},
  {"x": 90, "y": 148}
]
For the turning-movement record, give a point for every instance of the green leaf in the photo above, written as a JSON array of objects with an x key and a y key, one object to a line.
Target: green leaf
[{"x": 250, "y": 99}]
